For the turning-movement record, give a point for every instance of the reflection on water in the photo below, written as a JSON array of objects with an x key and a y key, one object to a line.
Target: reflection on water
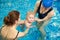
[{"x": 52, "y": 29}]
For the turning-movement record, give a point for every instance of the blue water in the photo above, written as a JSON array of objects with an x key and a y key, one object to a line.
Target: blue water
[{"x": 23, "y": 6}]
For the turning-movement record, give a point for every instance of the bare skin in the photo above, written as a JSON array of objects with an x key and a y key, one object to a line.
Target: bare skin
[
  {"x": 46, "y": 19},
  {"x": 43, "y": 10},
  {"x": 10, "y": 32},
  {"x": 29, "y": 19}
]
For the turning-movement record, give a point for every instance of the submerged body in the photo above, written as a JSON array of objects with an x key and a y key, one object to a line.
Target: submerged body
[{"x": 45, "y": 12}]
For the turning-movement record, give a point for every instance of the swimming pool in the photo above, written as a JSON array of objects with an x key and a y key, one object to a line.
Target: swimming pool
[{"x": 23, "y": 6}]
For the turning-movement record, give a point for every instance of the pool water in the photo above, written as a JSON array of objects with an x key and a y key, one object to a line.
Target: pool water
[{"x": 23, "y": 6}]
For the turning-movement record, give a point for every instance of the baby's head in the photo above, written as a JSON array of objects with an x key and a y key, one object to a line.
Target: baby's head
[{"x": 30, "y": 17}]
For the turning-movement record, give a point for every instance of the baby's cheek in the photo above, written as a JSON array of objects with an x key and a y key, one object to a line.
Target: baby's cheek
[{"x": 33, "y": 19}]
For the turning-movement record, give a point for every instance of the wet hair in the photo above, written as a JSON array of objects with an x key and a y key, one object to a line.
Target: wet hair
[
  {"x": 11, "y": 18},
  {"x": 30, "y": 13}
]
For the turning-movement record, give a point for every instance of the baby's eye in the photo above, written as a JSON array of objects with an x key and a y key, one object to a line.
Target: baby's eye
[{"x": 30, "y": 17}]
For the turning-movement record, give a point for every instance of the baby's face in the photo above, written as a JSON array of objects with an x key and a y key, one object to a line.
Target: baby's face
[{"x": 30, "y": 18}]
